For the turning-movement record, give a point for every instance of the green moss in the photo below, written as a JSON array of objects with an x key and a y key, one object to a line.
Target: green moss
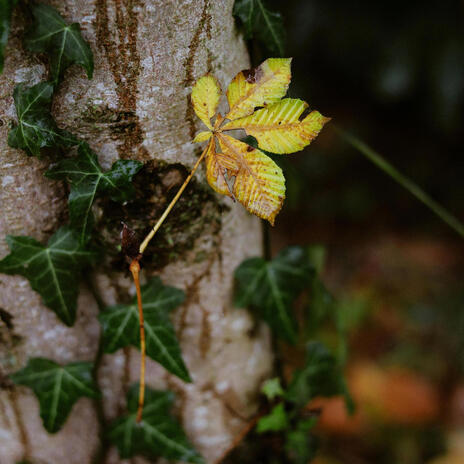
[{"x": 197, "y": 213}]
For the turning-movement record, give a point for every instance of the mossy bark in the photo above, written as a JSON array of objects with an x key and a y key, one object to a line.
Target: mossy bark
[{"x": 148, "y": 54}]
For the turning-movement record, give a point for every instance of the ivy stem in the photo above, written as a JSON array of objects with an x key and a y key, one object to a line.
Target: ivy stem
[
  {"x": 152, "y": 233},
  {"x": 404, "y": 181},
  {"x": 135, "y": 270}
]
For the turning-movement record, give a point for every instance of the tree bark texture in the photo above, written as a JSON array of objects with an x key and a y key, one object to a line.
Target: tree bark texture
[{"x": 147, "y": 53}]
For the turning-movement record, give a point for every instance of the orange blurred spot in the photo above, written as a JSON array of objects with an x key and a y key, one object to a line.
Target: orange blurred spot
[
  {"x": 334, "y": 417},
  {"x": 394, "y": 394}
]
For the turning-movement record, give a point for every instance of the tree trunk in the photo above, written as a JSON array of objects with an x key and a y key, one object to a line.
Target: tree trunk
[{"x": 148, "y": 53}]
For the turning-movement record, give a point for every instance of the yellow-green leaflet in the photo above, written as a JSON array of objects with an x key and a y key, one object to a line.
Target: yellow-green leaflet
[
  {"x": 205, "y": 98},
  {"x": 278, "y": 129}
]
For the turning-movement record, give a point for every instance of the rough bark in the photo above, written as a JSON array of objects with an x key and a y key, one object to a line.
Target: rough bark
[{"x": 147, "y": 55}]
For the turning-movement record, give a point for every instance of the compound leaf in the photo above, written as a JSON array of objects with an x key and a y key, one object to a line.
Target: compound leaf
[
  {"x": 6, "y": 9},
  {"x": 62, "y": 42},
  {"x": 52, "y": 270},
  {"x": 267, "y": 26},
  {"x": 56, "y": 387},
  {"x": 272, "y": 287},
  {"x": 36, "y": 128},
  {"x": 88, "y": 180},
  {"x": 239, "y": 170},
  {"x": 278, "y": 129},
  {"x": 157, "y": 435},
  {"x": 121, "y": 326},
  {"x": 260, "y": 86}
]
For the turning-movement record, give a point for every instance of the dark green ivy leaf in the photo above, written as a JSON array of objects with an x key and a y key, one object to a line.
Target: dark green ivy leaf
[
  {"x": 36, "y": 128},
  {"x": 320, "y": 376},
  {"x": 121, "y": 326},
  {"x": 272, "y": 287},
  {"x": 157, "y": 435},
  {"x": 267, "y": 26},
  {"x": 6, "y": 9},
  {"x": 300, "y": 444},
  {"x": 321, "y": 307},
  {"x": 62, "y": 42},
  {"x": 275, "y": 421},
  {"x": 88, "y": 180},
  {"x": 56, "y": 387},
  {"x": 53, "y": 270}
]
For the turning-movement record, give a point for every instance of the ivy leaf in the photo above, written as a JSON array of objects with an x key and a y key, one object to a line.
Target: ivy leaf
[
  {"x": 317, "y": 254},
  {"x": 52, "y": 270},
  {"x": 121, "y": 326},
  {"x": 6, "y": 9},
  {"x": 56, "y": 387},
  {"x": 320, "y": 307},
  {"x": 272, "y": 388},
  {"x": 62, "y": 42},
  {"x": 36, "y": 128},
  {"x": 275, "y": 421},
  {"x": 320, "y": 376},
  {"x": 272, "y": 286},
  {"x": 157, "y": 435},
  {"x": 267, "y": 26},
  {"x": 88, "y": 180},
  {"x": 300, "y": 445}
]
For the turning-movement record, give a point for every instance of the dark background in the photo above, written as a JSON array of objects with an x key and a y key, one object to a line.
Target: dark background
[{"x": 391, "y": 73}]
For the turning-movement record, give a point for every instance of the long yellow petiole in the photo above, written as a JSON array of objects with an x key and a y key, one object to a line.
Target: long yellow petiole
[
  {"x": 147, "y": 239},
  {"x": 135, "y": 270}
]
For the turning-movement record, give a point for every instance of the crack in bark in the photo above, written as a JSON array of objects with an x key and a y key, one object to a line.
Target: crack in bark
[
  {"x": 13, "y": 394},
  {"x": 192, "y": 296},
  {"x": 205, "y": 337}
]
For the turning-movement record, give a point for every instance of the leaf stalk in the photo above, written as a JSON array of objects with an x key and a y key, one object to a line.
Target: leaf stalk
[
  {"x": 152, "y": 233},
  {"x": 135, "y": 270}
]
